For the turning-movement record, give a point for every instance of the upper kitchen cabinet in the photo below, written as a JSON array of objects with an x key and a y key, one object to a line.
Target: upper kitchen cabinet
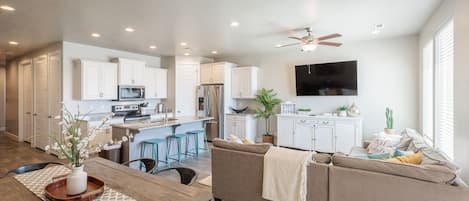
[
  {"x": 244, "y": 82},
  {"x": 156, "y": 83},
  {"x": 97, "y": 81},
  {"x": 215, "y": 73},
  {"x": 131, "y": 72}
]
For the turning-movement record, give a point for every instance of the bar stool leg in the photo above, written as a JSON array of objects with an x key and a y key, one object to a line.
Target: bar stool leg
[
  {"x": 142, "y": 154},
  {"x": 196, "y": 140},
  {"x": 168, "y": 147},
  {"x": 179, "y": 150}
]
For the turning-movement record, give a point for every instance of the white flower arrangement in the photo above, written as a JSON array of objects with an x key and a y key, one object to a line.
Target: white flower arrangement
[{"x": 73, "y": 144}]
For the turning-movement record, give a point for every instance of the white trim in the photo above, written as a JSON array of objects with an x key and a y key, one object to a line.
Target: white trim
[{"x": 11, "y": 136}]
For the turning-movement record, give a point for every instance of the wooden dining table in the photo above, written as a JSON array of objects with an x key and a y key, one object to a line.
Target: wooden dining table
[{"x": 136, "y": 184}]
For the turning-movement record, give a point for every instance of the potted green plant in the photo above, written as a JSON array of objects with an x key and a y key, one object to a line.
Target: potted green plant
[
  {"x": 342, "y": 111},
  {"x": 389, "y": 121},
  {"x": 267, "y": 99}
]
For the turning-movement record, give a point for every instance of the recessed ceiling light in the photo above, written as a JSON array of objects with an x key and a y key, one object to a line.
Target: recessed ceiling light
[
  {"x": 214, "y": 52},
  {"x": 96, "y": 35},
  {"x": 183, "y": 44},
  {"x": 278, "y": 45},
  {"x": 187, "y": 54},
  {"x": 129, "y": 29},
  {"x": 13, "y": 43},
  {"x": 234, "y": 24},
  {"x": 152, "y": 47},
  {"x": 8, "y": 8}
]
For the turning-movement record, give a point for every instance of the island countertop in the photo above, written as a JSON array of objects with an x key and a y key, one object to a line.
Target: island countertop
[{"x": 151, "y": 124}]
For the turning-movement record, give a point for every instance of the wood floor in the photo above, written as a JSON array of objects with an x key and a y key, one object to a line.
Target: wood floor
[{"x": 14, "y": 154}]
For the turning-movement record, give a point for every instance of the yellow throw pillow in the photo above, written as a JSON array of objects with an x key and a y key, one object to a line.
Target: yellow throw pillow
[
  {"x": 247, "y": 141},
  {"x": 412, "y": 159}
]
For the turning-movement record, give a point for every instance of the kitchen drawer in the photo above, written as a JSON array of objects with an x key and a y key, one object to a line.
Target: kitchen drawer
[{"x": 325, "y": 123}]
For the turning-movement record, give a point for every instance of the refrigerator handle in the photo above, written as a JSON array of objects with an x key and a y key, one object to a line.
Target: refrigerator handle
[{"x": 207, "y": 109}]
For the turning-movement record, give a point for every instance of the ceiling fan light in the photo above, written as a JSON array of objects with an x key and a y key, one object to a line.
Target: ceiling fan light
[{"x": 308, "y": 47}]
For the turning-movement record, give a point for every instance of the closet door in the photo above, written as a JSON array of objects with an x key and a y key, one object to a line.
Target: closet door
[
  {"x": 186, "y": 76},
  {"x": 55, "y": 93},
  {"x": 28, "y": 101},
  {"x": 41, "y": 106}
]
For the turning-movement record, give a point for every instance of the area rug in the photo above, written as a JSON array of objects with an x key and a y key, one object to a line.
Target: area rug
[{"x": 207, "y": 181}]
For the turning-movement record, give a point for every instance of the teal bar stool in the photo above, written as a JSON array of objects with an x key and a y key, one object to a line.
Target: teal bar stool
[
  {"x": 154, "y": 143},
  {"x": 178, "y": 139},
  {"x": 195, "y": 136}
]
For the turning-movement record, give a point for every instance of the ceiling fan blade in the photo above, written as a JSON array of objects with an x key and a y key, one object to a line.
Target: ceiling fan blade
[
  {"x": 296, "y": 38},
  {"x": 286, "y": 45},
  {"x": 336, "y": 35},
  {"x": 330, "y": 44}
]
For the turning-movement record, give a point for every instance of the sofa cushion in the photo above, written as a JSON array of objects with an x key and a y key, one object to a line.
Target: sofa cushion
[
  {"x": 261, "y": 148},
  {"x": 322, "y": 158},
  {"x": 430, "y": 173}
]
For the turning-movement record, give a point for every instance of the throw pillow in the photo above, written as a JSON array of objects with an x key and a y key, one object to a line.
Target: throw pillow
[
  {"x": 375, "y": 156},
  {"x": 247, "y": 141},
  {"x": 412, "y": 159},
  {"x": 234, "y": 138},
  {"x": 382, "y": 144},
  {"x": 398, "y": 153}
]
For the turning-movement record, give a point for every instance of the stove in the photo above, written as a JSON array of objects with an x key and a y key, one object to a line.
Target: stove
[{"x": 129, "y": 112}]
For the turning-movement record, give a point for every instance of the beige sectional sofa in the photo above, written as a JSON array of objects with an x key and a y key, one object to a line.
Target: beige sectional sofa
[{"x": 237, "y": 175}]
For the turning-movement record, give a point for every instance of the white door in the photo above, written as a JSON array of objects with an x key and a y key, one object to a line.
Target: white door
[
  {"x": 230, "y": 125},
  {"x": 161, "y": 83},
  {"x": 344, "y": 136},
  {"x": 41, "y": 107},
  {"x": 55, "y": 94},
  {"x": 138, "y": 72},
  {"x": 91, "y": 80},
  {"x": 324, "y": 139},
  {"x": 205, "y": 73},
  {"x": 285, "y": 131},
  {"x": 241, "y": 127},
  {"x": 186, "y": 84},
  {"x": 150, "y": 83},
  {"x": 218, "y": 73},
  {"x": 126, "y": 73},
  {"x": 303, "y": 137},
  {"x": 108, "y": 81},
  {"x": 28, "y": 101}
]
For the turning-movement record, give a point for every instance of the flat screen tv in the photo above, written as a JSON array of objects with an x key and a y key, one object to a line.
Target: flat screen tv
[{"x": 327, "y": 79}]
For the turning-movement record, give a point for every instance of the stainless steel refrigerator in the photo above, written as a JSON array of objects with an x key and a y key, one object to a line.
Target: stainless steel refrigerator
[{"x": 210, "y": 103}]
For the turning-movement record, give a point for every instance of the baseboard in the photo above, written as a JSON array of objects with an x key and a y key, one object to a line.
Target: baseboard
[{"x": 11, "y": 136}]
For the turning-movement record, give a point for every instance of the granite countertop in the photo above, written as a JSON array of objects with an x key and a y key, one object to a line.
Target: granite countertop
[{"x": 149, "y": 124}]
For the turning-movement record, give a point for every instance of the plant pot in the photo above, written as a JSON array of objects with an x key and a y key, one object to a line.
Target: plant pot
[
  {"x": 77, "y": 181},
  {"x": 342, "y": 113},
  {"x": 268, "y": 139},
  {"x": 389, "y": 131}
]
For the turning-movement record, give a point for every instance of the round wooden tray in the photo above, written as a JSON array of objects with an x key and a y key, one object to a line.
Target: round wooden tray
[{"x": 57, "y": 191}]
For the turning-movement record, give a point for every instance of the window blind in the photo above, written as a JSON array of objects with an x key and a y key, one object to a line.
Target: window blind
[{"x": 444, "y": 103}]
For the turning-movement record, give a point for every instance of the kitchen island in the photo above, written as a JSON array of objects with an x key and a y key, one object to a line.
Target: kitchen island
[{"x": 150, "y": 129}]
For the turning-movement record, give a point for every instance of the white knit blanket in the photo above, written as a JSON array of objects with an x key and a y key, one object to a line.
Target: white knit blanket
[{"x": 285, "y": 174}]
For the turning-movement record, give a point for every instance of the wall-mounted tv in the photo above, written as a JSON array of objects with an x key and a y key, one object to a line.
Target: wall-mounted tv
[{"x": 327, "y": 79}]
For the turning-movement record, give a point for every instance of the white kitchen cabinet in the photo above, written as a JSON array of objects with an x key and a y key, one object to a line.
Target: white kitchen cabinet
[
  {"x": 215, "y": 73},
  {"x": 156, "y": 83},
  {"x": 97, "y": 80},
  {"x": 322, "y": 134},
  {"x": 131, "y": 72},
  {"x": 241, "y": 125},
  {"x": 244, "y": 82}
]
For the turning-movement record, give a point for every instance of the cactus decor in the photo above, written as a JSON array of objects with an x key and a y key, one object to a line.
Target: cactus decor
[{"x": 389, "y": 121}]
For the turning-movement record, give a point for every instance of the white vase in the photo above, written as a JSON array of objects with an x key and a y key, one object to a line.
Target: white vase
[
  {"x": 342, "y": 113},
  {"x": 77, "y": 181}
]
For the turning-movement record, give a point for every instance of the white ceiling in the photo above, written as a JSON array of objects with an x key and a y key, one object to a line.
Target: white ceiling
[{"x": 203, "y": 24}]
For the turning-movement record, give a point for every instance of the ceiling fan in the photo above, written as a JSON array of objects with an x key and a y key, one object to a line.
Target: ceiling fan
[{"x": 310, "y": 43}]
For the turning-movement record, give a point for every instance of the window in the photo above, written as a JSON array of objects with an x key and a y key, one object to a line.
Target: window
[
  {"x": 437, "y": 90},
  {"x": 444, "y": 104}
]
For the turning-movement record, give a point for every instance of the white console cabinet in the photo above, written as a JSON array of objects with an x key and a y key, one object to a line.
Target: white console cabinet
[{"x": 319, "y": 133}]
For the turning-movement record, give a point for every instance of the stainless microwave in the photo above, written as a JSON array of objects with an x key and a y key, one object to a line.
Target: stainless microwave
[{"x": 130, "y": 92}]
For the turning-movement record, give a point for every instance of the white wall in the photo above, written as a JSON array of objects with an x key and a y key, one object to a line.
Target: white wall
[
  {"x": 74, "y": 51},
  {"x": 458, "y": 11},
  {"x": 387, "y": 76}
]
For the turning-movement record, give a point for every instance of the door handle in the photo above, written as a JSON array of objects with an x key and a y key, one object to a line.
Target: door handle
[
  {"x": 50, "y": 116},
  {"x": 35, "y": 114},
  {"x": 28, "y": 112}
]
